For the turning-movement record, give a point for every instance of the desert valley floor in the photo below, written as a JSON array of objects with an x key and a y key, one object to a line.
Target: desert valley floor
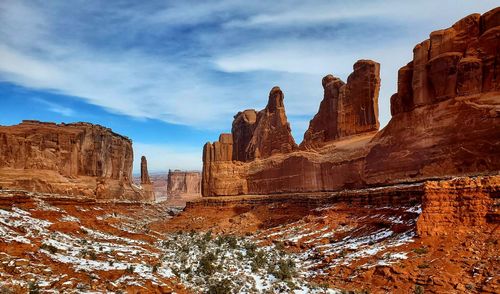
[{"x": 50, "y": 245}]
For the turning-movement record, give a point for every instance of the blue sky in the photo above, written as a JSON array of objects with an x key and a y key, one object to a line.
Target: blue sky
[{"x": 171, "y": 74}]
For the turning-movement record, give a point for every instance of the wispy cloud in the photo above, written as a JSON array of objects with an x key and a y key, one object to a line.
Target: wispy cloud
[{"x": 54, "y": 107}]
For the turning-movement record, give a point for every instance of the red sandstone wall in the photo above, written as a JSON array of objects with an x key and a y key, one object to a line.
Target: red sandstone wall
[
  {"x": 461, "y": 204},
  {"x": 77, "y": 159},
  {"x": 445, "y": 123},
  {"x": 183, "y": 183}
]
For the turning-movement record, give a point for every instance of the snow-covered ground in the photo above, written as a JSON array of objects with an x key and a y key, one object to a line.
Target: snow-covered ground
[{"x": 199, "y": 261}]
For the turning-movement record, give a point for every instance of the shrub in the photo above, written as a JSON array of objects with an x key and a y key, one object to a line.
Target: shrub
[
  {"x": 92, "y": 255},
  {"x": 33, "y": 287},
  {"x": 423, "y": 265},
  {"x": 279, "y": 246},
  {"x": 208, "y": 236},
  {"x": 250, "y": 248},
  {"x": 421, "y": 250},
  {"x": 5, "y": 290},
  {"x": 232, "y": 242},
  {"x": 130, "y": 269},
  {"x": 206, "y": 265},
  {"x": 155, "y": 267},
  {"x": 50, "y": 248},
  {"x": 259, "y": 260},
  {"x": 286, "y": 269},
  {"x": 418, "y": 289},
  {"x": 220, "y": 287},
  {"x": 185, "y": 248}
]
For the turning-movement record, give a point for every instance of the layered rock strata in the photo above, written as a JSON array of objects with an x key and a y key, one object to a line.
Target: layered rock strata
[
  {"x": 445, "y": 119},
  {"x": 460, "y": 203},
  {"x": 78, "y": 159}
]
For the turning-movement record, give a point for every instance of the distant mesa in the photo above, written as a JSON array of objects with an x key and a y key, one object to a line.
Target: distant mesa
[
  {"x": 183, "y": 182},
  {"x": 77, "y": 159}
]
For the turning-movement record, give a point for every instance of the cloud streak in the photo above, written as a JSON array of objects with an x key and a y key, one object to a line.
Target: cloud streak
[{"x": 54, "y": 107}]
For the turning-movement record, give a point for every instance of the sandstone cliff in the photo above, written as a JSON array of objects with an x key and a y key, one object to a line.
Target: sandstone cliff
[
  {"x": 77, "y": 159},
  {"x": 183, "y": 185},
  {"x": 254, "y": 135},
  {"x": 461, "y": 204},
  {"x": 346, "y": 109},
  {"x": 445, "y": 119}
]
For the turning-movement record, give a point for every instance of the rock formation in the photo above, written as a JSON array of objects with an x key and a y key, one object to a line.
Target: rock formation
[
  {"x": 184, "y": 182},
  {"x": 445, "y": 118},
  {"x": 254, "y": 136},
  {"x": 146, "y": 184},
  {"x": 261, "y": 134},
  {"x": 242, "y": 132},
  {"x": 272, "y": 132},
  {"x": 78, "y": 159},
  {"x": 458, "y": 61},
  {"x": 144, "y": 171},
  {"x": 446, "y": 110},
  {"x": 183, "y": 185},
  {"x": 460, "y": 203},
  {"x": 346, "y": 109}
]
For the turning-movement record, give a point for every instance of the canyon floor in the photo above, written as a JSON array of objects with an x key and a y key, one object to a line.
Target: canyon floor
[{"x": 59, "y": 245}]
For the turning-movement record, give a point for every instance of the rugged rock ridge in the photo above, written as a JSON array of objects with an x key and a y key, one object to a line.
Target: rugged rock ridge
[
  {"x": 259, "y": 135},
  {"x": 79, "y": 159},
  {"x": 446, "y": 110},
  {"x": 272, "y": 132},
  {"x": 445, "y": 123},
  {"x": 183, "y": 185},
  {"x": 254, "y": 135},
  {"x": 346, "y": 109},
  {"x": 459, "y": 61}
]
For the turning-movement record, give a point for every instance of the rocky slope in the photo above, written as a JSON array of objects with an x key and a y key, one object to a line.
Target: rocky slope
[
  {"x": 436, "y": 236},
  {"x": 357, "y": 240},
  {"x": 444, "y": 123},
  {"x": 78, "y": 159}
]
